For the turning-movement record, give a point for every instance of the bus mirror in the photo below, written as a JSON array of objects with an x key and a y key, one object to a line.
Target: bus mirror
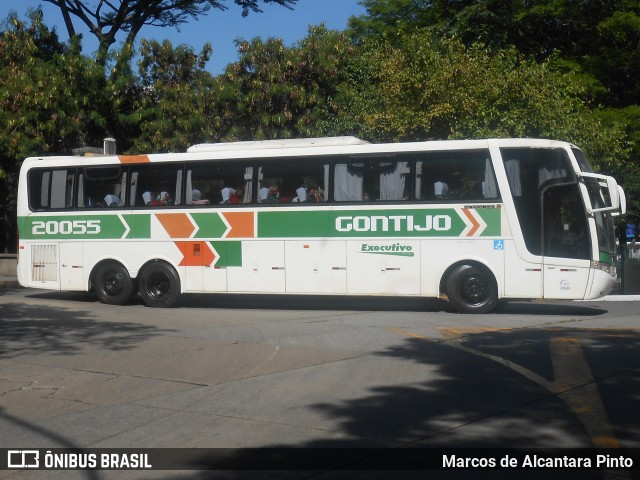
[
  {"x": 623, "y": 201},
  {"x": 613, "y": 200}
]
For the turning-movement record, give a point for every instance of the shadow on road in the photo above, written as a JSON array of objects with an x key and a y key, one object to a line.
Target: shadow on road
[
  {"x": 41, "y": 329},
  {"x": 366, "y": 303},
  {"x": 526, "y": 388}
]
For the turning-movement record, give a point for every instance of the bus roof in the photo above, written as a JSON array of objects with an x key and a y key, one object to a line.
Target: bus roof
[
  {"x": 273, "y": 149},
  {"x": 269, "y": 144}
]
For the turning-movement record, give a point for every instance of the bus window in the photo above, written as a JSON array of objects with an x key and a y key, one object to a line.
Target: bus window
[
  {"x": 292, "y": 181},
  {"x": 372, "y": 178},
  {"x": 463, "y": 175},
  {"x": 156, "y": 185},
  {"x": 101, "y": 187},
  {"x": 565, "y": 223},
  {"x": 51, "y": 189},
  {"x": 529, "y": 172},
  {"x": 219, "y": 183}
]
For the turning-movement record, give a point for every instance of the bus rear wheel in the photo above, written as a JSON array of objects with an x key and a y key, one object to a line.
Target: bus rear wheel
[
  {"x": 112, "y": 283},
  {"x": 159, "y": 285},
  {"x": 472, "y": 289}
]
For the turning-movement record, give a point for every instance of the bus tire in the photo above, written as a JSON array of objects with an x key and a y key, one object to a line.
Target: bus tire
[
  {"x": 112, "y": 283},
  {"x": 159, "y": 285},
  {"x": 472, "y": 289}
]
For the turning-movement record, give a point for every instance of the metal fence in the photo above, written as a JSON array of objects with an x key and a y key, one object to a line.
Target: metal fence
[{"x": 629, "y": 269}]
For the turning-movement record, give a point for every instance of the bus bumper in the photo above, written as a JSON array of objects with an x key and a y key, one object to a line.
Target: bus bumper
[{"x": 603, "y": 282}]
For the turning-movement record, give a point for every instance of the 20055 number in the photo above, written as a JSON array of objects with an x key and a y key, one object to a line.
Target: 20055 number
[{"x": 66, "y": 227}]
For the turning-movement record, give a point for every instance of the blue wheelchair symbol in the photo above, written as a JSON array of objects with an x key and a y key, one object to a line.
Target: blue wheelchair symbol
[{"x": 498, "y": 244}]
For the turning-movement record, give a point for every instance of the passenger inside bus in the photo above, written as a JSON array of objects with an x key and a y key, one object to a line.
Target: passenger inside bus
[
  {"x": 196, "y": 198},
  {"x": 273, "y": 194}
]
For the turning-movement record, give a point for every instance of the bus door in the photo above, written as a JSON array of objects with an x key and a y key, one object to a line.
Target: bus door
[
  {"x": 43, "y": 265},
  {"x": 566, "y": 242}
]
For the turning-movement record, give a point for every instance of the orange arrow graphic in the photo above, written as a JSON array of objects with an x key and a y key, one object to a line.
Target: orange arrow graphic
[
  {"x": 474, "y": 222},
  {"x": 195, "y": 254},
  {"x": 177, "y": 225},
  {"x": 242, "y": 224}
]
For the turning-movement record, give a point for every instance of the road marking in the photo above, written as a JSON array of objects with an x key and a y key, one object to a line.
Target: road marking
[
  {"x": 405, "y": 333},
  {"x": 573, "y": 381}
]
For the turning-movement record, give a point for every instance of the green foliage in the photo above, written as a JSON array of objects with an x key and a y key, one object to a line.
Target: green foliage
[
  {"x": 423, "y": 87},
  {"x": 603, "y": 37},
  {"x": 174, "y": 94},
  {"x": 48, "y": 90},
  {"x": 279, "y": 92}
]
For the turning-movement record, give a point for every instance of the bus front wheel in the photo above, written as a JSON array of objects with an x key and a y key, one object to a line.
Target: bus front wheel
[
  {"x": 472, "y": 289},
  {"x": 112, "y": 283},
  {"x": 159, "y": 285}
]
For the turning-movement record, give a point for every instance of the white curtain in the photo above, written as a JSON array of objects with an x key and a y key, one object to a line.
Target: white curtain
[
  {"x": 347, "y": 186},
  {"x": 123, "y": 189},
  {"x": 325, "y": 191},
  {"x": 489, "y": 187},
  {"x": 178, "y": 195},
  {"x": 248, "y": 184},
  {"x": 392, "y": 183},
  {"x": 512, "y": 168}
]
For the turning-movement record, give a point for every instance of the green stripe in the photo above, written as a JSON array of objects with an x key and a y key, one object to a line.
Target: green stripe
[
  {"x": 432, "y": 222},
  {"x": 210, "y": 225},
  {"x": 230, "y": 253}
]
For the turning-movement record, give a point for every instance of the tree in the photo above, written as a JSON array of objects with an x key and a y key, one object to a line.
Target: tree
[
  {"x": 279, "y": 92},
  {"x": 172, "y": 108},
  {"x": 424, "y": 87},
  {"x": 50, "y": 102},
  {"x": 602, "y": 37},
  {"x": 50, "y": 97},
  {"x": 106, "y": 19}
]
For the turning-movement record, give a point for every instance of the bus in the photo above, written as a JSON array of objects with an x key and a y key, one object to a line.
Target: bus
[{"x": 469, "y": 221}]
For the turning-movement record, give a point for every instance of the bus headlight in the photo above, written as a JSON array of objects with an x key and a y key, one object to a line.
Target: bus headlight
[{"x": 605, "y": 267}]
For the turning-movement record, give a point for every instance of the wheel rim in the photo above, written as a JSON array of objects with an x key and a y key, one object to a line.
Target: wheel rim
[
  {"x": 474, "y": 289},
  {"x": 158, "y": 285},
  {"x": 113, "y": 283}
]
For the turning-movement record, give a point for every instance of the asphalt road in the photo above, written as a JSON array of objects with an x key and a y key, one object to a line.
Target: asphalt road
[{"x": 257, "y": 371}]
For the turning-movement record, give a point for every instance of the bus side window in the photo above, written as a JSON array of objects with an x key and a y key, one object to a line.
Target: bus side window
[
  {"x": 51, "y": 189},
  {"x": 156, "y": 185},
  {"x": 222, "y": 183},
  {"x": 370, "y": 178},
  {"x": 465, "y": 175},
  {"x": 101, "y": 187},
  {"x": 292, "y": 181}
]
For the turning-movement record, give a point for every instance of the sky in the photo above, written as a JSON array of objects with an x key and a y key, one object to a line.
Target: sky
[{"x": 220, "y": 28}]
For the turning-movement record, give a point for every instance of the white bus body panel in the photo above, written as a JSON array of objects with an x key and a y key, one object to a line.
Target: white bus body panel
[
  {"x": 316, "y": 266},
  {"x": 373, "y": 271}
]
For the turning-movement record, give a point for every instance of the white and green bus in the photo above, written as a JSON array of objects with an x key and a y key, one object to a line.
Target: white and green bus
[{"x": 472, "y": 221}]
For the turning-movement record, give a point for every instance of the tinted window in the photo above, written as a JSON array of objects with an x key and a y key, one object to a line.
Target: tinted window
[
  {"x": 566, "y": 231},
  {"x": 156, "y": 185},
  {"x": 456, "y": 176},
  {"x": 219, "y": 183},
  {"x": 101, "y": 187},
  {"x": 373, "y": 178},
  {"x": 530, "y": 171},
  {"x": 50, "y": 189},
  {"x": 293, "y": 181}
]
